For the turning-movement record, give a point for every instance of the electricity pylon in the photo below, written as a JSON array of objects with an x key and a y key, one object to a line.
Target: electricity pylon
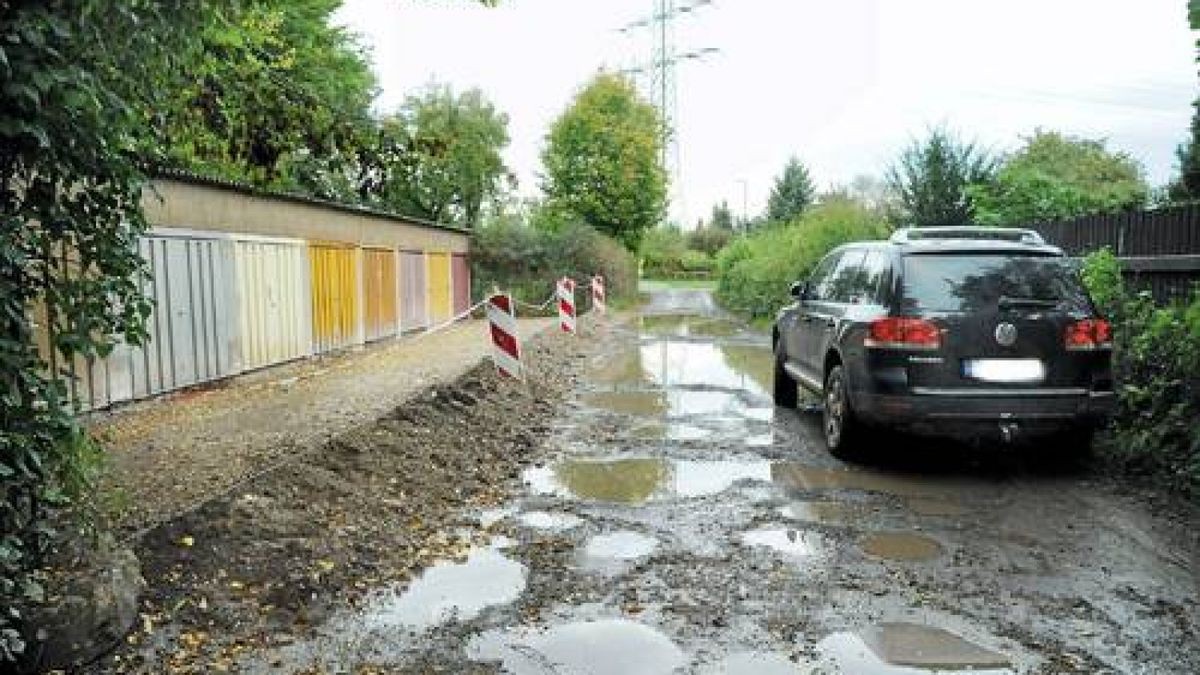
[{"x": 662, "y": 88}]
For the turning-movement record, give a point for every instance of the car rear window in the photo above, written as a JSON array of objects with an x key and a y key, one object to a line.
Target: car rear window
[{"x": 970, "y": 282}]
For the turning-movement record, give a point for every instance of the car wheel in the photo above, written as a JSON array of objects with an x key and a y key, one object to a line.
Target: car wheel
[
  {"x": 843, "y": 431},
  {"x": 786, "y": 389}
]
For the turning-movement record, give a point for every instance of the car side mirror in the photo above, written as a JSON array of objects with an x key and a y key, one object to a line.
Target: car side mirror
[{"x": 799, "y": 290}]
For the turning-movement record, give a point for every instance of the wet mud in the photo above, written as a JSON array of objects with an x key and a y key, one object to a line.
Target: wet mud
[{"x": 671, "y": 520}]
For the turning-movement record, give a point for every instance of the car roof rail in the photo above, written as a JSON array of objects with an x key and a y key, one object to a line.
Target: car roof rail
[{"x": 1011, "y": 234}]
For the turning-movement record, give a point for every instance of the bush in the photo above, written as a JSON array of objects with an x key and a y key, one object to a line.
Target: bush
[
  {"x": 1156, "y": 360},
  {"x": 754, "y": 272},
  {"x": 696, "y": 261},
  {"x": 662, "y": 252},
  {"x": 709, "y": 239},
  {"x": 527, "y": 261}
]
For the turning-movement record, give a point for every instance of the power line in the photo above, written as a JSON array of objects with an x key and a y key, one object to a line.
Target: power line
[{"x": 663, "y": 85}]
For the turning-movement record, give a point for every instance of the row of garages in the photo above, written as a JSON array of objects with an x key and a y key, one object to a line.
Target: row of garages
[{"x": 228, "y": 302}]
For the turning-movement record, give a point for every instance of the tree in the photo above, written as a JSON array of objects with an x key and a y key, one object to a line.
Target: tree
[
  {"x": 274, "y": 95},
  {"x": 1187, "y": 186},
  {"x": 77, "y": 79},
  {"x": 792, "y": 194},
  {"x": 1055, "y": 177},
  {"x": 930, "y": 179},
  {"x": 439, "y": 157},
  {"x": 602, "y": 160},
  {"x": 722, "y": 217}
]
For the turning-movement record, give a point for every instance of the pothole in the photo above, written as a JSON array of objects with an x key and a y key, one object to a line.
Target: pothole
[
  {"x": 899, "y": 648},
  {"x": 904, "y": 546},
  {"x": 636, "y": 481},
  {"x": 449, "y": 590},
  {"x": 821, "y": 512},
  {"x": 612, "y": 646},
  {"x": 635, "y": 403},
  {"x": 752, "y": 663},
  {"x": 787, "y": 541},
  {"x": 619, "y": 546},
  {"x": 688, "y": 326},
  {"x": 545, "y": 520}
]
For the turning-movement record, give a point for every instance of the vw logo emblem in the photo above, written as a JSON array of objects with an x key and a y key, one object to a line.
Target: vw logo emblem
[{"x": 1006, "y": 335}]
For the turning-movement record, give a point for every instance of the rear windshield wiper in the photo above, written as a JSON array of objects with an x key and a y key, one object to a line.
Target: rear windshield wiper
[{"x": 1010, "y": 301}]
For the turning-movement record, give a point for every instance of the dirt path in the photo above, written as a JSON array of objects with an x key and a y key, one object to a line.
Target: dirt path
[
  {"x": 167, "y": 456},
  {"x": 681, "y": 523}
]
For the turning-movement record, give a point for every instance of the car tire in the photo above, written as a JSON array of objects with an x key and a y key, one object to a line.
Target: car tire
[
  {"x": 844, "y": 433},
  {"x": 787, "y": 393}
]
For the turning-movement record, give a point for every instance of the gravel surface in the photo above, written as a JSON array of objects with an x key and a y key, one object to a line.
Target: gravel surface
[
  {"x": 675, "y": 521},
  {"x": 640, "y": 506},
  {"x": 373, "y": 506},
  {"x": 169, "y": 455}
]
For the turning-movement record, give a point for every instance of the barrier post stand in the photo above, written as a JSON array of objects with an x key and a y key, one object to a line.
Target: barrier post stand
[
  {"x": 506, "y": 344},
  {"x": 566, "y": 305},
  {"x": 598, "y": 300}
]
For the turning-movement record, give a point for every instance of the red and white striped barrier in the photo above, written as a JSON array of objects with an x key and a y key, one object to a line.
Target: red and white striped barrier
[
  {"x": 506, "y": 345},
  {"x": 566, "y": 304},
  {"x": 598, "y": 300}
]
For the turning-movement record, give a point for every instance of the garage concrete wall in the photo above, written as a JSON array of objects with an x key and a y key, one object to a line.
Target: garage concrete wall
[{"x": 213, "y": 207}]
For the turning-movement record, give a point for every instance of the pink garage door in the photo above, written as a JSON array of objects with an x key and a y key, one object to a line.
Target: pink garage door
[
  {"x": 462, "y": 283},
  {"x": 413, "y": 313}
]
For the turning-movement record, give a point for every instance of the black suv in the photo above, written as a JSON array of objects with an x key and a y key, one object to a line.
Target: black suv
[{"x": 968, "y": 331}]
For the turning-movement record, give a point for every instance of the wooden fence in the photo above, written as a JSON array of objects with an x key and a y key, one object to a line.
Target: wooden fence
[{"x": 1159, "y": 249}]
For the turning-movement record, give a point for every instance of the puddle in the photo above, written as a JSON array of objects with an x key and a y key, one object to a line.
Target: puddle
[
  {"x": 698, "y": 364},
  {"x": 449, "y": 590},
  {"x": 623, "y": 545},
  {"x": 701, "y": 479},
  {"x": 545, "y": 520},
  {"x": 626, "y": 481},
  {"x": 489, "y": 517},
  {"x": 807, "y": 477},
  {"x": 636, "y": 403},
  {"x": 753, "y": 663},
  {"x": 935, "y": 507},
  {"x": 761, "y": 440},
  {"x": 790, "y": 542},
  {"x": 824, "y": 513},
  {"x": 903, "y": 649},
  {"x": 756, "y": 362},
  {"x": 901, "y": 546},
  {"x": 622, "y": 367},
  {"x": 688, "y": 326},
  {"x": 612, "y": 646},
  {"x": 501, "y": 542},
  {"x": 636, "y": 481}
]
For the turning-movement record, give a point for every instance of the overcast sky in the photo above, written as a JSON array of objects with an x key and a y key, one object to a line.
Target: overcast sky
[{"x": 843, "y": 84}]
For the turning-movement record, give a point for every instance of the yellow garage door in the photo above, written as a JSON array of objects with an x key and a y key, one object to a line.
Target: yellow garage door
[
  {"x": 379, "y": 289},
  {"x": 440, "y": 297},
  {"x": 335, "y": 305}
]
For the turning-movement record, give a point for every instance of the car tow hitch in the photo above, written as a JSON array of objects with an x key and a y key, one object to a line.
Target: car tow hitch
[{"x": 1009, "y": 431}]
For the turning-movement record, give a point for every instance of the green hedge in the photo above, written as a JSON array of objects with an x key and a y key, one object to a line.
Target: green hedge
[
  {"x": 527, "y": 261},
  {"x": 1156, "y": 360},
  {"x": 754, "y": 272}
]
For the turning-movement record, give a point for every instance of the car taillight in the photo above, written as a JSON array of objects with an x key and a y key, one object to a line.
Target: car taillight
[
  {"x": 1088, "y": 334},
  {"x": 895, "y": 332}
]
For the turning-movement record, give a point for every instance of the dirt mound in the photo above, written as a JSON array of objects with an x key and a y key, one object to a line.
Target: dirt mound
[{"x": 374, "y": 506}]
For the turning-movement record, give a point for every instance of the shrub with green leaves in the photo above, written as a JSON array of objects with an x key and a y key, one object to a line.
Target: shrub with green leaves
[
  {"x": 754, "y": 272},
  {"x": 526, "y": 261},
  {"x": 1156, "y": 360}
]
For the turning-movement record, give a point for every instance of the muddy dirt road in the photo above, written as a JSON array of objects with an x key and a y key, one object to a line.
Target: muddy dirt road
[{"x": 681, "y": 523}]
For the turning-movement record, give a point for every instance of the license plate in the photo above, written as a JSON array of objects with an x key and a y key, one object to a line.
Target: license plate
[{"x": 1004, "y": 370}]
